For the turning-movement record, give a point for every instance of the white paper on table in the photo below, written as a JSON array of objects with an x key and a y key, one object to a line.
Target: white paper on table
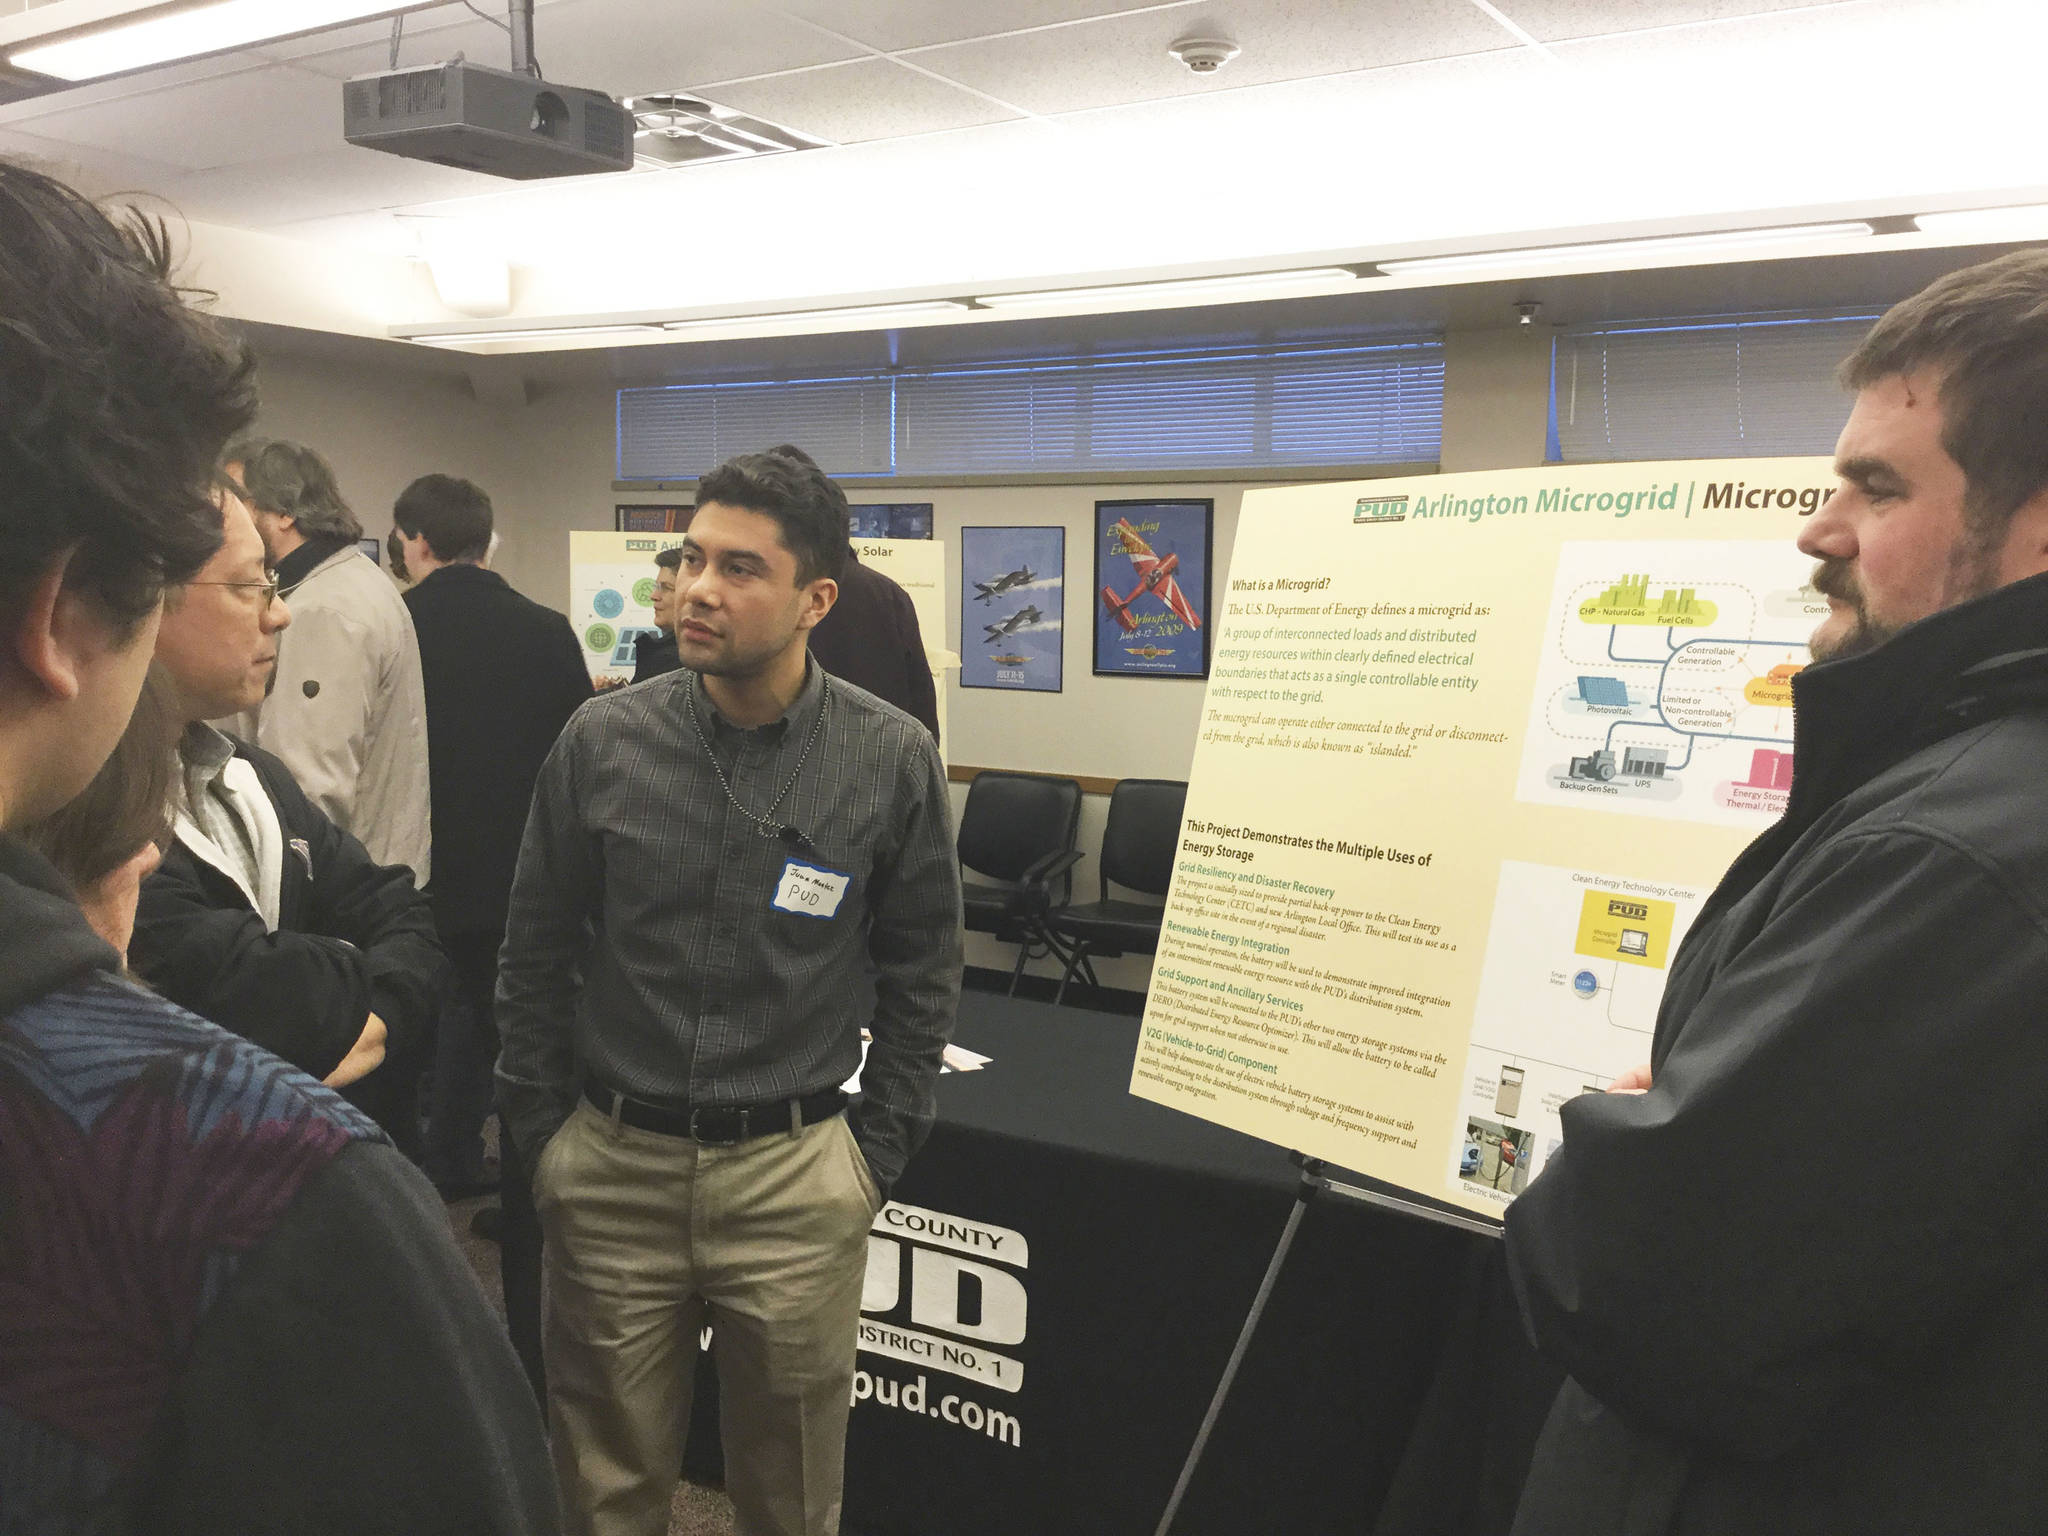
[{"x": 955, "y": 1058}]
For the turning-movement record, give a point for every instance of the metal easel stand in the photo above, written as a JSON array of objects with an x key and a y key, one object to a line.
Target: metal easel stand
[{"x": 1313, "y": 1182}]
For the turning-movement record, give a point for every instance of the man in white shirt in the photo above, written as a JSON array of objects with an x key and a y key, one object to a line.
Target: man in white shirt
[{"x": 348, "y": 712}]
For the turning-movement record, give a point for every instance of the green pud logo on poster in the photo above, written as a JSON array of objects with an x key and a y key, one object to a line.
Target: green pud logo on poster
[{"x": 1380, "y": 509}]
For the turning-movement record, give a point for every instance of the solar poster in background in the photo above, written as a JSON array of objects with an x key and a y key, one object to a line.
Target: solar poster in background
[
  {"x": 611, "y": 595},
  {"x": 891, "y": 520},
  {"x": 1012, "y": 607},
  {"x": 634, "y": 517},
  {"x": 1151, "y": 597}
]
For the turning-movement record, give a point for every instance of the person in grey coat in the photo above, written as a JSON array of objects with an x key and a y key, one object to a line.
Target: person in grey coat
[{"x": 348, "y": 712}]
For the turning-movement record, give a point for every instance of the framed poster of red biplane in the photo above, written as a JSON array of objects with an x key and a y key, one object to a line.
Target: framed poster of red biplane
[{"x": 1151, "y": 601}]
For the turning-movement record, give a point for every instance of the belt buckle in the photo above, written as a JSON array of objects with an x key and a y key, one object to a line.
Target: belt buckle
[{"x": 703, "y": 1138}]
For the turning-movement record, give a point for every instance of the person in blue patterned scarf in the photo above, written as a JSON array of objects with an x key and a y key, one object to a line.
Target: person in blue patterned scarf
[{"x": 226, "y": 1302}]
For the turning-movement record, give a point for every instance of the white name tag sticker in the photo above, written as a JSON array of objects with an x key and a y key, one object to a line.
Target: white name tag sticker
[{"x": 810, "y": 890}]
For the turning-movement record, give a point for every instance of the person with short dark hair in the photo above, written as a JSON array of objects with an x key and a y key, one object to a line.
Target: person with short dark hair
[
  {"x": 230, "y": 1304},
  {"x": 655, "y": 654},
  {"x": 503, "y": 675},
  {"x": 347, "y": 713},
  {"x": 716, "y": 863},
  {"x": 871, "y": 637},
  {"x": 1794, "y": 1266}
]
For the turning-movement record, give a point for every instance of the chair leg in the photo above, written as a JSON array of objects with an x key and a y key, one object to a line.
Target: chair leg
[
  {"x": 1077, "y": 959},
  {"x": 1023, "y": 954}
]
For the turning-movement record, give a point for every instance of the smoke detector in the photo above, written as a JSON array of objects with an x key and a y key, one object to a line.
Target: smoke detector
[{"x": 1203, "y": 55}]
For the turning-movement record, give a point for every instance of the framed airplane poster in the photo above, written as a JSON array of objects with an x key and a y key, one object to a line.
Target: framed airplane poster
[
  {"x": 1012, "y": 607},
  {"x": 1151, "y": 599}
]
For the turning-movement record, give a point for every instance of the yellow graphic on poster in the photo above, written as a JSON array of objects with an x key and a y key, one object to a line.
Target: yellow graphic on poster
[
  {"x": 1474, "y": 750},
  {"x": 1632, "y": 929}
]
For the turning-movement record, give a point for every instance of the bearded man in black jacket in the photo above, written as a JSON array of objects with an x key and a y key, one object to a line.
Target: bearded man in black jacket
[{"x": 1796, "y": 1274}]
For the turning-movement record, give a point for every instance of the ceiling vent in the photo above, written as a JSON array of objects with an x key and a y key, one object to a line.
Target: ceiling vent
[{"x": 673, "y": 130}]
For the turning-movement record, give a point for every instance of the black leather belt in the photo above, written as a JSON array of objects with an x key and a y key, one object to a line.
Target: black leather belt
[{"x": 717, "y": 1125}]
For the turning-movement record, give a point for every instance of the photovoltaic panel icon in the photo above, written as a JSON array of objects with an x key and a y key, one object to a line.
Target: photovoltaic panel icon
[{"x": 1606, "y": 691}]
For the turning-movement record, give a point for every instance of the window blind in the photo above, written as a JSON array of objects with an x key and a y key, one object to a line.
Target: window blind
[
  {"x": 1734, "y": 387},
  {"x": 1238, "y": 409},
  {"x": 679, "y": 432}
]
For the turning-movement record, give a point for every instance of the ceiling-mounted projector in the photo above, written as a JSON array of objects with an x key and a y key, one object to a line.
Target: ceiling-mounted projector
[{"x": 491, "y": 120}]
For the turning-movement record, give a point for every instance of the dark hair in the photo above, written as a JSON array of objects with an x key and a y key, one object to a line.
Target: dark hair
[
  {"x": 454, "y": 516},
  {"x": 115, "y": 397},
  {"x": 670, "y": 559},
  {"x": 1985, "y": 329},
  {"x": 809, "y": 510},
  {"x": 289, "y": 479},
  {"x": 127, "y": 804}
]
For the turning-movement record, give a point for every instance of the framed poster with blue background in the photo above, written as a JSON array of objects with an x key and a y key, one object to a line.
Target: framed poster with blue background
[
  {"x": 1151, "y": 601},
  {"x": 1012, "y": 607},
  {"x": 890, "y": 520}
]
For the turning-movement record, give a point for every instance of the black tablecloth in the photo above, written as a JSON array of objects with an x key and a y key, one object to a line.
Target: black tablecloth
[{"x": 1386, "y": 1363}]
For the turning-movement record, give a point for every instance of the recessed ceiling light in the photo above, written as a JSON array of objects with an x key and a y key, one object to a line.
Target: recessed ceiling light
[
  {"x": 1656, "y": 245},
  {"x": 530, "y": 333},
  {"x": 191, "y": 32},
  {"x": 1170, "y": 288},
  {"x": 848, "y": 312},
  {"x": 2024, "y": 221}
]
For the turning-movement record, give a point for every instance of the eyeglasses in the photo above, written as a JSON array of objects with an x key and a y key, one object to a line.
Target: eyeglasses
[{"x": 268, "y": 586}]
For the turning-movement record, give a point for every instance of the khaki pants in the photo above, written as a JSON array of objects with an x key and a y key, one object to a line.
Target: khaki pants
[{"x": 648, "y": 1238}]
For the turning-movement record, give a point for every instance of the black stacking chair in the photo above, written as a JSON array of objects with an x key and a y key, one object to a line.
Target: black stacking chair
[
  {"x": 1018, "y": 831},
  {"x": 1137, "y": 853}
]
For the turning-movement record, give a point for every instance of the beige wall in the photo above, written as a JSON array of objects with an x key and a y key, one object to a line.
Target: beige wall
[
  {"x": 1496, "y": 398},
  {"x": 548, "y": 467}
]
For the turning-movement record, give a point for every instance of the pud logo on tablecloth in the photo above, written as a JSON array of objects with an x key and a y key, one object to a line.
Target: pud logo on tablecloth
[{"x": 941, "y": 1292}]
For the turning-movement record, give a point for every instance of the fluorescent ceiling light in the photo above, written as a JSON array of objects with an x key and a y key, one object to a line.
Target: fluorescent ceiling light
[
  {"x": 531, "y": 333},
  {"x": 2027, "y": 221},
  {"x": 1658, "y": 245},
  {"x": 1171, "y": 288},
  {"x": 851, "y": 312},
  {"x": 188, "y": 33}
]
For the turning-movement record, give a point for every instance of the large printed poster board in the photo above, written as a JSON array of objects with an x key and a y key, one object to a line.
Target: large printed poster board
[
  {"x": 611, "y": 583},
  {"x": 1474, "y": 750}
]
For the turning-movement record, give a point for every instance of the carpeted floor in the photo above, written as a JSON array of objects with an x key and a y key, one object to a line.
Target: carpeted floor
[{"x": 696, "y": 1511}]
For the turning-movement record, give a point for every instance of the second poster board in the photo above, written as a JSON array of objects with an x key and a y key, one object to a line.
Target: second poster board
[{"x": 1474, "y": 751}]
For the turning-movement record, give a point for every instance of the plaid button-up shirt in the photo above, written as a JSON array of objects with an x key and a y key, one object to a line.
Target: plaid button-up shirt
[{"x": 644, "y": 948}]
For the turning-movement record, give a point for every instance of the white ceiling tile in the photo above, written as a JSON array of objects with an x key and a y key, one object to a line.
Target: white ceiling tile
[
  {"x": 1124, "y": 59},
  {"x": 852, "y": 103},
  {"x": 259, "y": 114},
  {"x": 419, "y": 25},
  {"x": 633, "y": 47},
  {"x": 325, "y": 183},
  {"x": 473, "y": 39},
  {"x": 141, "y": 83},
  {"x": 894, "y": 24},
  {"x": 1557, "y": 20},
  {"x": 96, "y": 173}
]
